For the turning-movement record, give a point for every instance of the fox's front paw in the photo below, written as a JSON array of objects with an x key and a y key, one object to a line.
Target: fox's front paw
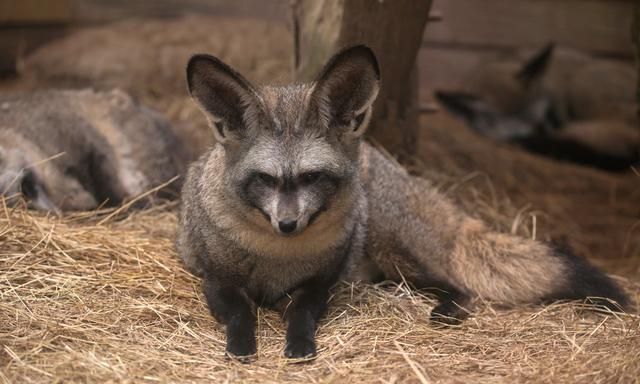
[
  {"x": 448, "y": 313},
  {"x": 300, "y": 348},
  {"x": 241, "y": 348}
]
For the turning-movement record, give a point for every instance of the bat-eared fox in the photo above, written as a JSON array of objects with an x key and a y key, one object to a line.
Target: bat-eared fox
[
  {"x": 78, "y": 149},
  {"x": 564, "y": 105},
  {"x": 291, "y": 200}
]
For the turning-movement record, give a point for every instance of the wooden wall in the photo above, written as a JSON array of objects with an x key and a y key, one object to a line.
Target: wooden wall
[
  {"x": 26, "y": 24},
  {"x": 473, "y": 31},
  {"x": 470, "y": 30}
]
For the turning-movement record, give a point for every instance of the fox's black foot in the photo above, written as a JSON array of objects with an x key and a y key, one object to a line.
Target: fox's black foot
[
  {"x": 451, "y": 307},
  {"x": 448, "y": 312},
  {"x": 241, "y": 347},
  {"x": 300, "y": 348}
]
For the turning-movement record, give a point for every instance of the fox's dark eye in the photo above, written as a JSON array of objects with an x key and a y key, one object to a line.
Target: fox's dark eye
[
  {"x": 310, "y": 177},
  {"x": 28, "y": 186},
  {"x": 266, "y": 178}
]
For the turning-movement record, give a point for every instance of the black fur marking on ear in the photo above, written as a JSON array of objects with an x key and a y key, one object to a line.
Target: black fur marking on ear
[
  {"x": 536, "y": 66},
  {"x": 585, "y": 281}
]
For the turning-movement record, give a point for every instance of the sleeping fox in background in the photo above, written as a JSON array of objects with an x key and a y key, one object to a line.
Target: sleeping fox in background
[
  {"x": 75, "y": 150},
  {"x": 291, "y": 200},
  {"x": 570, "y": 108}
]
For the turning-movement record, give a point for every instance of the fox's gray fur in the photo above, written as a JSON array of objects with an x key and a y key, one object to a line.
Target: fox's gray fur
[
  {"x": 577, "y": 86},
  {"x": 79, "y": 149},
  {"x": 294, "y": 154},
  {"x": 560, "y": 104}
]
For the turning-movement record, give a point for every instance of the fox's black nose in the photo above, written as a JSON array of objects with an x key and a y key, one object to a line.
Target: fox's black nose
[{"x": 287, "y": 226}]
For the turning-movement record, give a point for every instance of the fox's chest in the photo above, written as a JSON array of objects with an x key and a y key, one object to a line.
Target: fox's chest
[{"x": 270, "y": 280}]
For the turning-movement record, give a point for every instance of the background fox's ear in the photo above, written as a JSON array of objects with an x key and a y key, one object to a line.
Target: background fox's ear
[
  {"x": 227, "y": 98},
  {"x": 346, "y": 89},
  {"x": 536, "y": 66}
]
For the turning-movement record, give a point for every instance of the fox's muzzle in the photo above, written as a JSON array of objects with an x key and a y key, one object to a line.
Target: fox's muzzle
[{"x": 286, "y": 219}]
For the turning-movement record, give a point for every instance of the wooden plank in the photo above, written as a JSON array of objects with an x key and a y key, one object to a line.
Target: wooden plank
[
  {"x": 34, "y": 11},
  {"x": 590, "y": 25},
  {"x": 16, "y": 42},
  {"x": 636, "y": 40},
  {"x": 99, "y": 11}
]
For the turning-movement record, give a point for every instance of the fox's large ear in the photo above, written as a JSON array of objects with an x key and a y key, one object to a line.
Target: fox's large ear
[
  {"x": 463, "y": 105},
  {"x": 346, "y": 88},
  {"x": 228, "y": 99},
  {"x": 534, "y": 69}
]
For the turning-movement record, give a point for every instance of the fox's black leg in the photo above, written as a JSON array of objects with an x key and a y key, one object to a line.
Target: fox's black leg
[
  {"x": 451, "y": 307},
  {"x": 232, "y": 307},
  {"x": 308, "y": 304}
]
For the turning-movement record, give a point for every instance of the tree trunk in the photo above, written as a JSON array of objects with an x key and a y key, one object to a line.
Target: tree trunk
[{"x": 393, "y": 29}]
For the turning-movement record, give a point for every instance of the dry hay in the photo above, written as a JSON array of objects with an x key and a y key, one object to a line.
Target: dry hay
[
  {"x": 85, "y": 301},
  {"x": 594, "y": 212}
]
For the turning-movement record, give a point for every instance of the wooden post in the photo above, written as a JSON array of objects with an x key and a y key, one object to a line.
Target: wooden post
[{"x": 393, "y": 29}]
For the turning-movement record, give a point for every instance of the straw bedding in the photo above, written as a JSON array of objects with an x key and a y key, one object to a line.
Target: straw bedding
[
  {"x": 101, "y": 297},
  {"x": 92, "y": 298}
]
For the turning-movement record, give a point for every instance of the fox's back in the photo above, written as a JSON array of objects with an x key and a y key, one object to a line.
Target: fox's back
[
  {"x": 52, "y": 121},
  {"x": 582, "y": 87},
  {"x": 147, "y": 150},
  {"x": 109, "y": 127}
]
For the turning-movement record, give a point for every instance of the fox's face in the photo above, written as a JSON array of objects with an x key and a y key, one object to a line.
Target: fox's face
[
  {"x": 19, "y": 180},
  {"x": 535, "y": 116},
  {"x": 525, "y": 109},
  {"x": 291, "y": 152}
]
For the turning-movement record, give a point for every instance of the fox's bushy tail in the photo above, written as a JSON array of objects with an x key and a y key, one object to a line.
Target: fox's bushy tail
[{"x": 511, "y": 269}]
